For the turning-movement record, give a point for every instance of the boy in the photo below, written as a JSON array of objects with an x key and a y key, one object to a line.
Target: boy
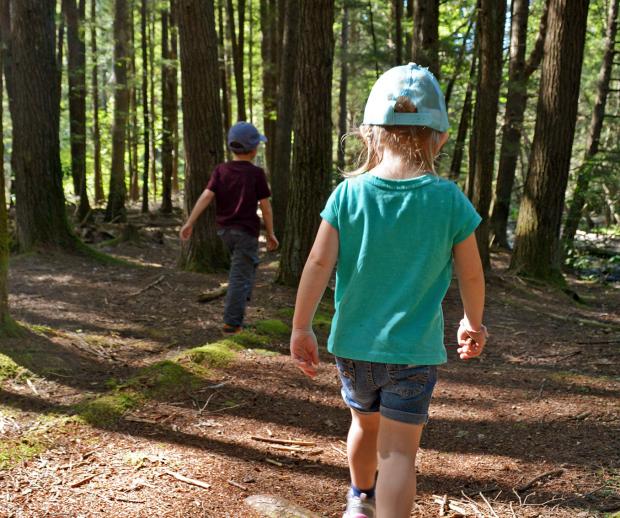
[{"x": 238, "y": 186}]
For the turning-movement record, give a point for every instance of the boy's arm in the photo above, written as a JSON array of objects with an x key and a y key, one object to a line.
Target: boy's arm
[
  {"x": 265, "y": 208},
  {"x": 468, "y": 267},
  {"x": 203, "y": 202},
  {"x": 314, "y": 279}
]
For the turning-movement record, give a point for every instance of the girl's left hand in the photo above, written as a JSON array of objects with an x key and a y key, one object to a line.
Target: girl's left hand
[
  {"x": 471, "y": 343},
  {"x": 305, "y": 351}
]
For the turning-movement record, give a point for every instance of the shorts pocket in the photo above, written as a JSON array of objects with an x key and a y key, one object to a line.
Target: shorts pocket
[
  {"x": 410, "y": 381},
  {"x": 346, "y": 368}
]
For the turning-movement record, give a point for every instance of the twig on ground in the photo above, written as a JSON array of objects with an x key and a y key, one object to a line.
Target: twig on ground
[
  {"x": 442, "y": 505},
  {"x": 82, "y": 481},
  {"x": 540, "y": 390},
  {"x": 225, "y": 408},
  {"x": 493, "y": 513},
  {"x": 32, "y": 387},
  {"x": 213, "y": 294},
  {"x": 202, "y": 409},
  {"x": 343, "y": 453},
  {"x": 187, "y": 480},
  {"x": 512, "y": 511},
  {"x": 547, "y": 474},
  {"x": 294, "y": 442},
  {"x": 274, "y": 462},
  {"x": 147, "y": 287},
  {"x": 297, "y": 449},
  {"x": 236, "y": 484}
]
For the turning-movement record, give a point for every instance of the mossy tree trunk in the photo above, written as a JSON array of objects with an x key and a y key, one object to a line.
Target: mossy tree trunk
[
  {"x": 202, "y": 123},
  {"x": 312, "y": 152},
  {"x": 115, "y": 210},
  {"x": 32, "y": 75},
  {"x": 536, "y": 252}
]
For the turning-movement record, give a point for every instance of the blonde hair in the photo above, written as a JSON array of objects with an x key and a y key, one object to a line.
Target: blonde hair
[{"x": 416, "y": 144}]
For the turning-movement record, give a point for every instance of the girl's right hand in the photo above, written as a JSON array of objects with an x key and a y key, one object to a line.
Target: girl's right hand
[
  {"x": 471, "y": 343},
  {"x": 305, "y": 351},
  {"x": 186, "y": 232}
]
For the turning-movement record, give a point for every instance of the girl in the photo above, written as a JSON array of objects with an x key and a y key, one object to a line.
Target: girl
[{"x": 395, "y": 228}]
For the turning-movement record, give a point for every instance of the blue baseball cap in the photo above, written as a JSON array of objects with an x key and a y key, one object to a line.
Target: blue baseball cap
[
  {"x": 416, "y": 83},
  {"x": 243, "y": 137}
]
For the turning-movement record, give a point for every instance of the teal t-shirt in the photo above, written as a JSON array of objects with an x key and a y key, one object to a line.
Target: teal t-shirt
[{"x": 394, "y": 265}]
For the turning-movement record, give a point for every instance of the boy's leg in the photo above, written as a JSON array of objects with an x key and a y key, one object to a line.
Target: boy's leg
[
  {"x": 397, "y": 446},
  {"x": 242, "y": 267},
  {"x": 362, "y": 449}
]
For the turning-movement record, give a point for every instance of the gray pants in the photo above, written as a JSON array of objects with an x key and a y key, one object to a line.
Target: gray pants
[{"x": 243, "y": 249}]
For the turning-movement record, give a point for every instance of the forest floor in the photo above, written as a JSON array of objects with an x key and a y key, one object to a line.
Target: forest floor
[{"x": 120, "y": 381}]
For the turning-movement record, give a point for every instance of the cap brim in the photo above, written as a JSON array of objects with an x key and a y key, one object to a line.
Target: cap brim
[{"x": 262, "y": 138}]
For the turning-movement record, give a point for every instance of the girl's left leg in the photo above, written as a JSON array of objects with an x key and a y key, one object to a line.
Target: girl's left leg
[{"x": 362, "y": 448}]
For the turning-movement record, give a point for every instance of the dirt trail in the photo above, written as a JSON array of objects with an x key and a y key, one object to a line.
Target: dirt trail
[{"x": 87, "y": 428}]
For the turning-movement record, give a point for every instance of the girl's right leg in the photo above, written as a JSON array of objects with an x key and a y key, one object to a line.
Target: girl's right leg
[{"x": 397, "y": 446}]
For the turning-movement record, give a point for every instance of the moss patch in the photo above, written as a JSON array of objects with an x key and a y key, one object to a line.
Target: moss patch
[
  {"x": 106, "y": 410},
  {"x": 322, "y": 320},
  {"x": 286, "y": 313},
  {"x": 273, "y": 328},
  {"x": 16, "y": 451},
  {"x": 249, "y": 339},
  {"x": 263, "y": 352},
  {"x": 218, "y": 354},
  {"x": 9, "y": 369}
]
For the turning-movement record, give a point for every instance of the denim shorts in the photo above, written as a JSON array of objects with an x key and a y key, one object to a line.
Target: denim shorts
[{"x": 400, "y": 392}]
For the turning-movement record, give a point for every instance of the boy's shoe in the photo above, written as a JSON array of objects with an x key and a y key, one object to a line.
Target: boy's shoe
[
  {"x": 231, "y": 330},
  {"x": 359, "y": 506}
]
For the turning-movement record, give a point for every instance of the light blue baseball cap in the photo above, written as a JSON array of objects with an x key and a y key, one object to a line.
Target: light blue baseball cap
[{"x": 416, "y": 83}]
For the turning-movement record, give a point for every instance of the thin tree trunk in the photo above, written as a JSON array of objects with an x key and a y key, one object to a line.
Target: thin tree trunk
[
  {"x": 312, "y": 155},
  {"x": 459, "y": 62},
  {"x": 115, "y": 210},
  {"x": 491, "y": 20},
  {"x": 174, "y": 58},
  {"x": 5, "y": 317},
  {"x": 99, "y": 195},
  {"x": 132, "y": 128},
  {"x": 425, "y": 41},
  {"x": 270, "y": 75},
  {"x": 408, "y": 35},
  {"x": 75, "y": 16},
  {"x": 596, "y": 125},
  {"x": 237, "y": 42},
  {"x": 280, "y": 174},
  {"x": 373, "y": 35},
  {"x": 153, "y": 118},
  {"x": 146, "y": 117},
  {"x": 250, "y": 62},
  {"x": 344, "y": 82},
  {"x": 60, "y": 48},
  {"x": 397, "y": 34},
  {"x": 516, "y": 100},
  {"x": 202, "y": 124},
  {"x": 169, "y": 108},
  {"x": 536, "y": 252},
  {"x": 224, "y": 76}
]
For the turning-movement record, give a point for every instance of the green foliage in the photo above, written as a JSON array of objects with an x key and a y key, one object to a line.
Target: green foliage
[
  {"x": 216, "y": 355},
  {"x": 273, "y": 327}
]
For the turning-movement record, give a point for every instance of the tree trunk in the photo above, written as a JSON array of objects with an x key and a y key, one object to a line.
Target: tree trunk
[
  {"x": 459, "y": 62},
  {"x": 596, "y": 125},
  {"x": 224, "y": 76},
  {"x": 4, "y": 220},
  {"x": 75, "y": 16},
  {"x": 169, "y": 108},
  {"x": 202, "y": 124},
  {"x": 115, "y": 210},
  {"x": 397, "y": 34},
  {"x": 146, "y": 118},
  {"x": 174, "y": 57},
  {"x": 344, "y": 82},
  {"x": 280, "y": 174},
  {"x": 99, "y": 195},
  {"x": 461, "y": 135},
  {"x": 375, "y": 50},
  {"x": 425, "y": 41},
  {"x": 31, "y": 72},
  {"x": 491, "y": 18},
  {"x": 516, "y": 100},
  {"x": 132, "y": 127},
  {"x": 237, "y": 41},
  {"x": 312, "y": 154},
  {"x": 268, "y": 19},
  {"x": 536, "y": 251},
  {"x": 153, "y": 117}
]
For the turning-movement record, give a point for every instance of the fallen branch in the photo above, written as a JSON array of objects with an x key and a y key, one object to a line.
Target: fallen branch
[
  {"x": 274, "y": 462},
  {"x": 82, "y": 481},
  {"x": 187, "y": 480},
  {"x": 283, "y": 441},
  {"x": 149, "y": 286},
  {"x": 548, "y": 474},
  {"x": 213, "y": 294},
  {"x": 236, "y": 484}
]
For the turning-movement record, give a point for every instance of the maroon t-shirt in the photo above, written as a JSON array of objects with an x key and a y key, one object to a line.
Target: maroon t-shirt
[{"x": 238, "y": 186}]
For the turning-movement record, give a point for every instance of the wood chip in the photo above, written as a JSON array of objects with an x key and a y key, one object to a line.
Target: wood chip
[
  {"x": 236, "y": 484},
  {"x": 187, "y": 480},
  {"x": 283, "y": 441},
  {"x": 274, "y": 462},
  {"x": 82, "y": 481}
]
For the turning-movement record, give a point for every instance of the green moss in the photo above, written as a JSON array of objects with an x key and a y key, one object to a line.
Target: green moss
[
  {"x": 249, "y": 339},
  {"x": 100, "y": 257},
  {"x": 322, "y": 320},
  {"x": 286, "y": 313},
  {"x": 106, "y": 410},
  {"x": 163, "y": 379},
  {"x": 264, "y": 352},
  {"x": 218, "y": 354},
  {"x": 10, "y": 329},
  {"x": 273, "y": 328},
  {"x": 9, "y": 369},
  {"x": 15, "y": 451}
]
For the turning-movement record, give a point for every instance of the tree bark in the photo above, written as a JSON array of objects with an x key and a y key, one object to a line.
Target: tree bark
[
  {"x": 373, "y": 35},
  {"x": 4, "y": 219},
  {"x": 397, "y": 30},
  {"x": 536, "y": 252},
  {"x": 174, "y": 57},
  {"x": 312, "y": 154},
  {"x": 268, "y": 19},
  {"x": 280, "y": 174},
  {"x": 169, "y": 109},
  {"x": 99, "y": 195},
  {"x": 516, "y": 100},
  {"x": 146, "y": 117},
  {"x": 202, "y": 127},
  {"x": 237, "y": 41},
  {"x": 344, "y": 84},
  {"x": 224, "y": 76},
  {"x": 491, "y": 18},
  {"x": 425, "y": 41},
  {"x": 132, "y": 126},
  {"x": 153, "y": 115},
  {"x": 31, "y": 70},
  {"x": 115, "y": 210},
  {"x": 75, "y": 16},
  {"x": 596, "y": 125}
]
